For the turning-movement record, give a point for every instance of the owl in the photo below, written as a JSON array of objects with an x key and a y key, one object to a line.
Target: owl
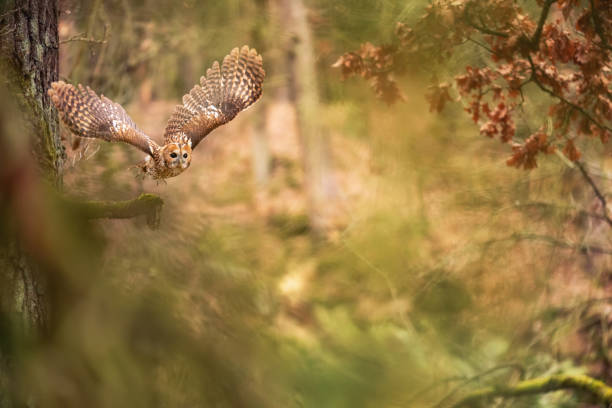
[{"x": 226, "y": 90}]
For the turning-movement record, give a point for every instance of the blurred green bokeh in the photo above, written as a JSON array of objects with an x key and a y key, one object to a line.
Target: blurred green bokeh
[{"x": 423, "y": 280}]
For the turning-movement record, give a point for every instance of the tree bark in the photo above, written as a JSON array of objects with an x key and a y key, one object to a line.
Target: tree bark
[
  {"x": 29, "y": 58},
  {"x": 29, "y": 52},
  {"x": 31, "y": 148}
]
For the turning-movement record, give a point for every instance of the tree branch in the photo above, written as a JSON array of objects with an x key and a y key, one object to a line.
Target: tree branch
[
  {"x": 482, "y": 29},
  {"x": 598, "y": 27},
  {"x": 148, "y": 205},
  {"x": 478, "y": 377},
  {"x": 81, "y": 37},
  {"x": 534, "y": 78},
  {"x": 580, "y": 166},
  {"x": 555, "y": 207},
  {"x": 598, "y": 193},
  {"x": 581, "y": 383},
  {"x": 582, "y": 248},
  {"x": 535, "y": 40}
]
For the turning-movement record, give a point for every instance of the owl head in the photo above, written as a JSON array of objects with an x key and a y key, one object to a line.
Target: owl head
[{"x": 177, "y": 155}]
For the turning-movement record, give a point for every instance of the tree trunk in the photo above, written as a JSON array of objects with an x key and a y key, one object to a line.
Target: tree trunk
[
  {"x": 303, "y": 91},
  {"x": 32, "y": 150},
  {"x": 261, "y": 150}
]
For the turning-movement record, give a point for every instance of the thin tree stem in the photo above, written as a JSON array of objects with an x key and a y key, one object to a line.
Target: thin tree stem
[{"x": 596, "y": 190}]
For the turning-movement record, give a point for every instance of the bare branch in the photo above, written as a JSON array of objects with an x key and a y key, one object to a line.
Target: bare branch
[
  {"x": 596, "y": 190},
  {"x": 556, "y": 207},
  {"x": 82, "y": 37},
  {"x": 482, "y": 46}
]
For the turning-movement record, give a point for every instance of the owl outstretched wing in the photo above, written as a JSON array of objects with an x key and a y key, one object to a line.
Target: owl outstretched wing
[
  {"x": 222, "y": 94},
  {"x": 88, "y": 115}
]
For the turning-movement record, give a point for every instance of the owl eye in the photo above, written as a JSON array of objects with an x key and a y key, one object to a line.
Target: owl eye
[
  {"x": 185, "y": 155},
  {"x": 173, "y": 155}
]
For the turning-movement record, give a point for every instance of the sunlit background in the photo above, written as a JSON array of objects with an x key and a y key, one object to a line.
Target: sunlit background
[{"x": 364, "y": 255}]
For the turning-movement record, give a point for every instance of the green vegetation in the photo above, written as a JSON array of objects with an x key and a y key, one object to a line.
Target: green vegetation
[{"x": 437, "y": 276}]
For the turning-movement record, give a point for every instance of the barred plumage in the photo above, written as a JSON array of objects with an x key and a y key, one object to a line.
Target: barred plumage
[
  {"x": 222, "y": 94},
  {"x": 88, "y": 115}
]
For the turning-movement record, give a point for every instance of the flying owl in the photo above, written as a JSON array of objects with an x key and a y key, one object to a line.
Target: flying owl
[{"x": 225, "y": 90}]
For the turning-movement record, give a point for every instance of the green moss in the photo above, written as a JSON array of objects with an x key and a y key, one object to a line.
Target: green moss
[
  {"x": 148, "y": 205},
  {"x": 19, "y": 294},
  {"x": 38, "y": 122},
  {"x": 582, "y": 383},
  {"x": 38, "y": 52},
  {"x": 47, "y": 40}
]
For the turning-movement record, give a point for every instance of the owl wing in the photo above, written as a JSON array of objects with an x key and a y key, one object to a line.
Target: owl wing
[
  {"x": 88, "y": 115},
  {"x": 222, "y": 93}
]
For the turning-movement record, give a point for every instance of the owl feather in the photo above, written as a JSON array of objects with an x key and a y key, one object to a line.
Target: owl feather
[
  {"x": 222, "y": 94},
  {"x": 226, "y": 90},
  {"x": 88, "y": 115}
]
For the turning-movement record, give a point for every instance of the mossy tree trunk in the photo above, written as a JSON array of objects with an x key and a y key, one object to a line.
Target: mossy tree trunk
[
  {"x": 29, "y": 54},
  {"x": 28, "y": 64}
]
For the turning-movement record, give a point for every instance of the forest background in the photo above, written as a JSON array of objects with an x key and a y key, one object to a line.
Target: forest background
[{"x": 326, "y": 248}]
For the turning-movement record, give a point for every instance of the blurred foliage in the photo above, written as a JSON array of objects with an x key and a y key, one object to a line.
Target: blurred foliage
[{"x": 423, "y": 284}]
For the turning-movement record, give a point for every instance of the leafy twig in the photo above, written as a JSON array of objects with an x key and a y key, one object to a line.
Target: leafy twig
[{"x": 535, "y": 80}]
